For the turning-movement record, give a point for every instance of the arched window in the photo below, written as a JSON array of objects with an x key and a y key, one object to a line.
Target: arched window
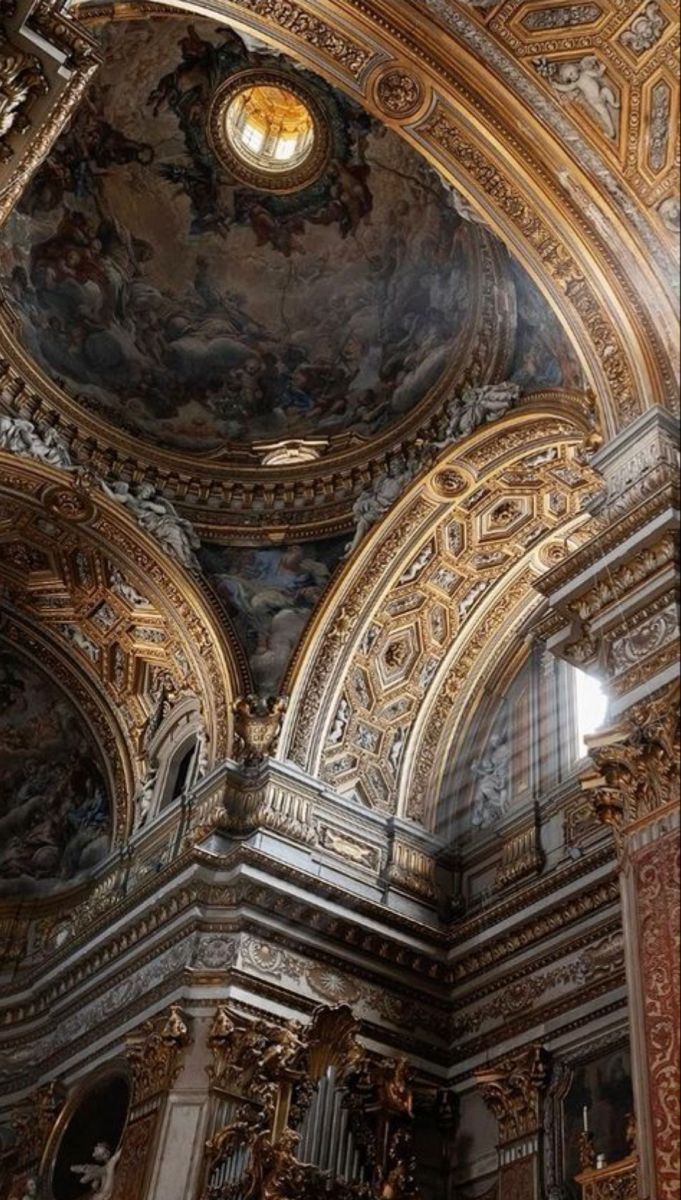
[
  {"x": 590, "y": 708},
  {"x": 178, "y": 776}
]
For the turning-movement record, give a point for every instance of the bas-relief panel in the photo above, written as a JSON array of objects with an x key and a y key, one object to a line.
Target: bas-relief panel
[
  {"x": 603, "y": 1085},
  {"x": 195, "y": 311},
  {"x": 54, "y": 810},
  {"x": 270, "y": 595}
]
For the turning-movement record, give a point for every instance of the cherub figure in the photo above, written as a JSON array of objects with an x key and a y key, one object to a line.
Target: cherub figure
[
  {"x": 100, "y": 1173},
  {"x": 284, "y": 1049},
  {"x": 585, "y": 80},
  {"x": 395, "y": 1086}
]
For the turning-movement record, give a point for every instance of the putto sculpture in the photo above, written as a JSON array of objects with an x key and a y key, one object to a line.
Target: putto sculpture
[{"x": 99, "y": 1174}]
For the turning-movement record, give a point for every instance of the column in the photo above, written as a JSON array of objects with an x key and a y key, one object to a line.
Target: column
[
  {"x": 513, "y": 1090},
  {"x": 614, "y": 611}
]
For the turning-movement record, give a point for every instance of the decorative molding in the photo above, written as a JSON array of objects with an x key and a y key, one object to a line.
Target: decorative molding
[{"x": 521, "y": 857}]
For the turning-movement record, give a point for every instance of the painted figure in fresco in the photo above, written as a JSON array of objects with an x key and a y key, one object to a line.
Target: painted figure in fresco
[
  {"x": 54, "y": 809},
  {"x": 207, "y": 313},
  {"x": 100, "y": 1172},
  {"x": 271, "y": 594}
]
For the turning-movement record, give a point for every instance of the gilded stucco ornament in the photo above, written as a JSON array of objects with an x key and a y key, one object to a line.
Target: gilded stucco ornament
[
  {"x": 22, "y": 80},
  {"x": 399, "y": 93},
  {"x": 131, "y": 636}
]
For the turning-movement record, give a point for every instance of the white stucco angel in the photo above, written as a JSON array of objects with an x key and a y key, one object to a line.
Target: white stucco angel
[
  {"x": 340, "y": 724},
  {"x": 99, "y": 1174},
  {"x": 376, "y": 500},
  {"x": 491, "y": 789},
  {"x": 158, "y": 517},
  {"x": 20, "y": 436},
  {"x": 474, "y": 407},
  {"x": 125, "y": 590},
  {"x": 202, "y": 752},
  {"x": 144, "y": 798}
]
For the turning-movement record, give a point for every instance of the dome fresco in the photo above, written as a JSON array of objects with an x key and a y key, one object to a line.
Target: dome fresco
[{"x": 184, "y": 306}]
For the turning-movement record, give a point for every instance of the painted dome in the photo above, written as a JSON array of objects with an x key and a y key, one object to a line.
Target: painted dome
[{"x": 182, "y": 299}]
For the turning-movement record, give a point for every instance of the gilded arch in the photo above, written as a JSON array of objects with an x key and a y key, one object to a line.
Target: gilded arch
[
  {"x": 439, "y": 589},
  {"x": 126, "y": 627}
]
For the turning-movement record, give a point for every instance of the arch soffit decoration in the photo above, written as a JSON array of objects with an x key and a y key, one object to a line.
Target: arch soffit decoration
[
  {"x": 119, "y": 622},
  {"x": 419, "y": 618},
  {"x": 587, "y": 258}
]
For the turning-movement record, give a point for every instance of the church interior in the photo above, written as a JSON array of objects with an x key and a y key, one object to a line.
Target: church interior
[{"x": 339, "y": 604}]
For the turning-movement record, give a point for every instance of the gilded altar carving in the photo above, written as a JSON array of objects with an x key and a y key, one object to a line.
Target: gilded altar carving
[
  {"x": 616, "y": 1182},
  {"x": 272, "y": 1072},
  {"x": 155, "y": 1053}
]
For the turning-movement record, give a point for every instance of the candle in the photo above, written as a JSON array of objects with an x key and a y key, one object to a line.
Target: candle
[{"x": 586, "y": 1119}]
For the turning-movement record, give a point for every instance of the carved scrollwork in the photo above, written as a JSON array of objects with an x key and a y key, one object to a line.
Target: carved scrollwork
[
  {"x": 155, "y": 1054},
  {"x": 399, "y": 93},
  {"x": 273, "y": 1072},
  {"x": 637, "y": 763},
  {"x": 257, "y": 727}
]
